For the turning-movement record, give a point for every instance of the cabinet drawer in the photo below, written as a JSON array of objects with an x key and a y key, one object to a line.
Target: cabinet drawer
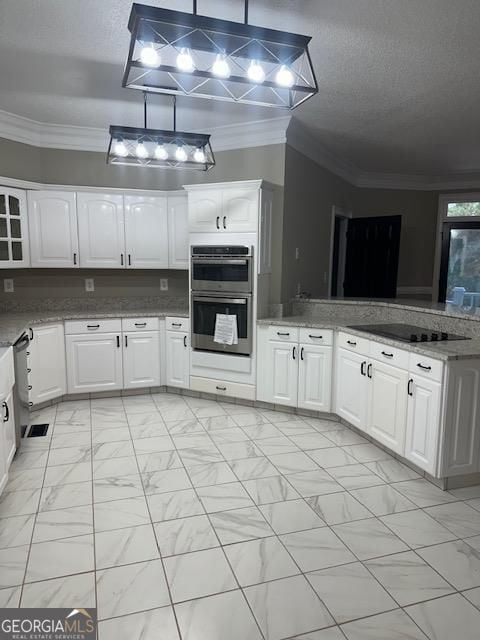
[
  {"x": 93, "y": 326},
  {"x": 177, "y": 324},
  {"x": 283, "y": 334},
  {"x": 222, "y": 388},
  {"x": 353, "y": 343},
  {"x": 386, "y": 353},
  {"x": 140, "y": 324},
  {"x": 316, "y": 336},
  {"x": 427, "y": 367},
  {"x": 7, "y": 377}
]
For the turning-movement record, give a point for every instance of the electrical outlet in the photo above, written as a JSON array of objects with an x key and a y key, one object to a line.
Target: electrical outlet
[
  {"x": 8, "y": 285},
  {"x": 163, "y": 284},
  {"x": 297, "y": 253},
  {"x": 89, "y": 284}
]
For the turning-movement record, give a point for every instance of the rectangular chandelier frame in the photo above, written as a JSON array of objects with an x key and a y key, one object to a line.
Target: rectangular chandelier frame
[{"x": 205, "y": 40}]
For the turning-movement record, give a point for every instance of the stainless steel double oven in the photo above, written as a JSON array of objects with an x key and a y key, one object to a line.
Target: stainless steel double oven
[{"x": 221, "y": 282}]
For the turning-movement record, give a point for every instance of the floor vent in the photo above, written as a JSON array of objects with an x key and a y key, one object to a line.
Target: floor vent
[{"x": 37, "y": 430}]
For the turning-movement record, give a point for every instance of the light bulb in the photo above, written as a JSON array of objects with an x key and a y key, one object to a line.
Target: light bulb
[
  {"x": 141, "y": 151},
  {"x": 220, "y": 67},
  {"x": 284, "y": 77},
  {"x": 180, "y": 154},
  {"x": 255, "y": 72},
  {"x": 149, "y": 56},
  {"x": 160, "y": 152},
  {"x": 199, "y": 155},
  {"x": 185, "y": 61},
  {"x": 119, "y": 149}
]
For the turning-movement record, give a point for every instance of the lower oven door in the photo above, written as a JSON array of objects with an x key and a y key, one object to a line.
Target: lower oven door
[{"x": 204, "y": 314}]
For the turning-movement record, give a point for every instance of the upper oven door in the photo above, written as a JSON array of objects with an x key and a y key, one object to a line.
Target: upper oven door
[{"x": 222, "y": 274}]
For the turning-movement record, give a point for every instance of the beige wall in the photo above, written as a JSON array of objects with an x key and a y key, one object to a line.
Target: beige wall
[{"x": 310, "y": 193}]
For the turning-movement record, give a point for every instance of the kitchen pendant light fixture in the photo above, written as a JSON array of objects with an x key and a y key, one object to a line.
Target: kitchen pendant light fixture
[
  {"x": 185, "y": 53},
  {"x": 144, "y": 147}
]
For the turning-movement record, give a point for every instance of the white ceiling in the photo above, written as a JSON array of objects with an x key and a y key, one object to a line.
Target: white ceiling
[{"x": 399, "y": 80}]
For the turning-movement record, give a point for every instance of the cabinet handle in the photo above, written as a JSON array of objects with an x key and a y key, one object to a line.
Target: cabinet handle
[
  {"x": 126, "y": 340},
  {"x": 29, "y": 370},
  {"x": 424, "y": 367},
  {"x": 74, "y": 258},
  {"x": 185, "y": 341},
  {"x": 282, "y": 333},
  {"x": 129, "y": 260},
  {"x": 221, "y": 388},
  {"x": 369, "y": 370},
  {"x": 176, "y": 324},
  {"x": 121, "y": 259},
  {"x": 352, "y": 342},
  {"x": 118, "y": 342},
  {"x": 301, "y": 353},
  {"x": 140, "y": 324},
  {"x": 224, "y": 222},
  {"x": 31, "y": 333},
  {"x": 294, "y": 352},
  {"x": 93, "y": 326},
  {"x": 387, "y": 355},
  {"x": 409, "y": 387},
  {"x": 6, "y": 412},
  {"x": 317, "y": 337},
  {"x": 362, "y": 368},
  {"x": 29, "y": 387},
  {"x": 218, "y": 223}
]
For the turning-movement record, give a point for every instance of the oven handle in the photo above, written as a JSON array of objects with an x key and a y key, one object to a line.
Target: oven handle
[
  {"x": 220, "y": 261},
  {"x": 230, "y": 300}
]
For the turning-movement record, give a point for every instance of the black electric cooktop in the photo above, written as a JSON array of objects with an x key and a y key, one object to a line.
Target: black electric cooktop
[{"x": 407, "y": 332}]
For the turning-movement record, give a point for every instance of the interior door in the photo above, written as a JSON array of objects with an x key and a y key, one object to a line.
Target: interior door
[
  {"x": 101, "y": 230},
  {"x": 146, "y": 232},
  {"x": 371, "y": 264}
]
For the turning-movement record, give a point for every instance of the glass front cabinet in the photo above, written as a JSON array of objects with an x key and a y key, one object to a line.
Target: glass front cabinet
[{"x": 14, "y": 248}]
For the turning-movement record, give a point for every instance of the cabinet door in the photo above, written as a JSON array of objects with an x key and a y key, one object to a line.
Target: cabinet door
[
  {"x": 351, "y": 389},
  {"x": 205, "y": 210},
  {"x": 9, "y": 429},
  {"x": 423, "y": 423},
  {"x": 240, "y": 209},
  {"x": 101, "y": 230},
  {"x": 146, "y": 232},
  {"x": 46, "y": 361},
  {"x": 388, "y": 405},
  {"x": 314, "y": 378},
  {"x": 178, "y": 255},
  {"x": 3, "y": 452},
  {"x": 52, "y": 219},
  {"x": 14, "y": 244},
  {"x": 178, "y": 359},
  {"x": 281, "y": 363},
  {"x": 141, "y": 359},
  {"x": 94, "y": 362}
]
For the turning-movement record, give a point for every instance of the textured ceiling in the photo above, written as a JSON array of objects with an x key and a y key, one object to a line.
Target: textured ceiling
[{"x": 399, "y": 79}]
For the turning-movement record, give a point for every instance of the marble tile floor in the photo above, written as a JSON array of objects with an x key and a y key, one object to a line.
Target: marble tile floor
[{"x": 187, "y": 519}]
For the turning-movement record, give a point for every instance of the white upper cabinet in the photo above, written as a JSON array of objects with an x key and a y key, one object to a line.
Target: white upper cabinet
[
  {"x": 52, "y": 219},
  {"x": 101, "y": 230},
  {"x": 14, "y": 245},
  {"x": 178, "y": 256},
  {"x": 205, "y": 210},
  {"x": 146, "y": 232},
  {"x": 240, "y": 209}
]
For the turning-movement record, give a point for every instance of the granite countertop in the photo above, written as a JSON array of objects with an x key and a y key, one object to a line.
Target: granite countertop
[
  {"x": 12, "y": 325},
  {"x": 449, "y": 350}
]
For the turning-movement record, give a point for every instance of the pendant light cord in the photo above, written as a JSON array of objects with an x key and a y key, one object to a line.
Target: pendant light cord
[
  {"x": 174, "y": 113},
  {"x": 145, "y": 110},
  {"x": 246, "y": 11}
]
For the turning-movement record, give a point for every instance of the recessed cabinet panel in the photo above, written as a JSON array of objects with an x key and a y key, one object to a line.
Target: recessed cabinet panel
[
  {"x": 178, "y": 359},
  {"x": 178, "y": 255},
  {"x": 423, "y": 423},
  {"x": 351, "y": 390},
  {"x": 46, "y": 362},
  {"x": 146, "y": 232},
  {"x": 205, "y": 210},
  {"x": 314, "y": 378},
  {"x": 101, "y": 230},
  {"x": 94, "y": 362},
  {"x": 52, "y": 217},
  {"x": 282, "y": 376},
  {"x": 240, "y": 209},
  {"x": 388, "y": 405},
  {"x": 141, "y": 359}
]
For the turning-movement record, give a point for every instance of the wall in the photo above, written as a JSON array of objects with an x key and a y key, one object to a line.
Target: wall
[{"x": 310, "y": 193}]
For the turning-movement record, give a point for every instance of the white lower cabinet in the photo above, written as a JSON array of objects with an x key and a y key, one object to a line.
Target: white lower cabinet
[
  {"x": 388, "y": 405},
  {"x": 141, "y": 359},
  {"x": 46, "y": 363},
  {"x": 351, "y": 387},
  {"x": 177, "y": 359},
  {"x": 94, "y": 362},
  {"x": 315, "y": 378},
  {"x": 9, "y": 427},
  {"x": 423, "y": 422},
  {"x": 282, "y": 372},
  {"x": 7, "y": 422}
]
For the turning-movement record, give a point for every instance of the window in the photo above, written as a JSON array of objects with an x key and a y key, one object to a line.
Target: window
[{"x": 463, "y": 209}]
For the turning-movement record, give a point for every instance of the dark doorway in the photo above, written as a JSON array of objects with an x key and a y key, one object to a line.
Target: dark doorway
[{"x": 371, "y": 266}]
